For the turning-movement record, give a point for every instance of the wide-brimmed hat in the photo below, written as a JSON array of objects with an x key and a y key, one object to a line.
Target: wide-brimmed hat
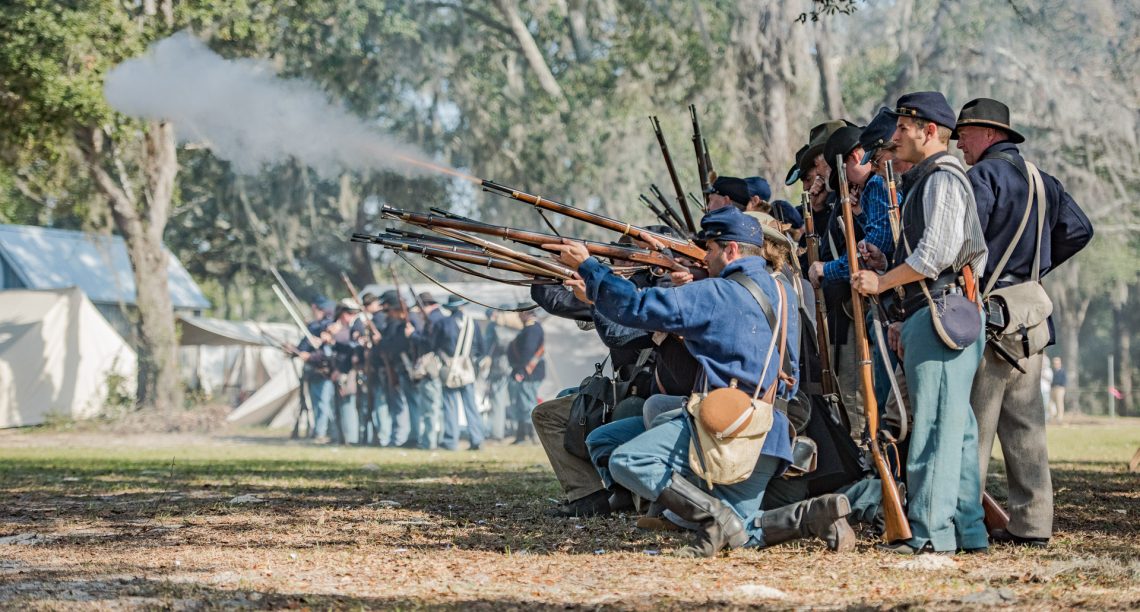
[
  {"x": 773, "y": 228},
  {"x": 817, "y": 139},
  {"x": 427, "y": 298},
  {"x": 986, "y": 112},
  {"x": 793, "y": 174},
  {"x": 842, "y": 142},
  {"x": 730, "y": 429},
  {"x": 454, "y": 301}
]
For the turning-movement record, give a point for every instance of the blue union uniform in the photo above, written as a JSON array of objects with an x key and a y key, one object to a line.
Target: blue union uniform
[{"x": 726, "y": 332}]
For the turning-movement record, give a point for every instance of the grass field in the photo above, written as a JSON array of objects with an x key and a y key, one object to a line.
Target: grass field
[{"x": 96, "y": 521}]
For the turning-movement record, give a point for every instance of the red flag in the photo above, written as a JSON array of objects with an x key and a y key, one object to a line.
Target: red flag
[{"x": 1116, "y": 393}]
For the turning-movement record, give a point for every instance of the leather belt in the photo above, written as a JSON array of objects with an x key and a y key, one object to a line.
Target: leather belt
[{"x": 913, "y": 299}]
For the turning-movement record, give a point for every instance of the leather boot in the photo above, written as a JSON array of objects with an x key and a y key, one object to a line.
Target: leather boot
[
  {"x": 824, "y": 517},
  {"x": 719, "y": 525}
]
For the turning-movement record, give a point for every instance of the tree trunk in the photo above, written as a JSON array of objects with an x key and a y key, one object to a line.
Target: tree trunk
[
  {"x": 531, "y": 51},
  {"x": 827, "y": 64},
  {"x": 141, "y": 221}
]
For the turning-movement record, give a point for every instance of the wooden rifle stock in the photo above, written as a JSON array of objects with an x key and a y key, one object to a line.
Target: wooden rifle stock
[
  {"x": 535, "y": 239},
  {"x": 995, "y": 516},
  {"x": 683, "y": 247},
  {"x": 673, "y": 176},
  {"x": 450, "y": 253},
  {"x": 822, "y": 332},
  {"x": 897, "y": 526}
]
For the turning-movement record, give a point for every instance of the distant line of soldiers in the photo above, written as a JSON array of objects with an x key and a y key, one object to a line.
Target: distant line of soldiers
[{"x": 381, "y": 373}]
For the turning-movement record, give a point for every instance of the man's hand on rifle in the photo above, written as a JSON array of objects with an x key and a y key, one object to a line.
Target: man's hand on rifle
[
  {"x": 865, "y": 282},
  {"x": 578, "y": 286},
  {"x": 571, "y": 254},
  {"x": 409, "y": 329},
  {"x": 872, "y": 257},
  {"x": 681, "y": 277},
  {"x": 815, "y": 274}
]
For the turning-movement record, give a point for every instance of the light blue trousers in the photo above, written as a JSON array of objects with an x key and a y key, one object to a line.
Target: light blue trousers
[
  {"x": 455, "y": 400},
  {"x": 321, "y": 391},
  {"x": 429, "y": 401},
  {"x": 943, "y": 485},
  {"x": 646, "y": 464}
]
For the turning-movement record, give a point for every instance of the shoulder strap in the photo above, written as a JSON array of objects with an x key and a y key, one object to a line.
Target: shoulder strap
[
  {"x": 1033, "y": 190},
  {"x": 1006, "y": 157},
  {"x": 766, "y": 306}
]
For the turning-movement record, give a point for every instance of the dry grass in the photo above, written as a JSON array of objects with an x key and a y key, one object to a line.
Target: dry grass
[{"x": 128, "y": 521}]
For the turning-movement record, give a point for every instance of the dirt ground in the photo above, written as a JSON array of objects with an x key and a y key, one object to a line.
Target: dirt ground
[{"x": 249, "y": 520}]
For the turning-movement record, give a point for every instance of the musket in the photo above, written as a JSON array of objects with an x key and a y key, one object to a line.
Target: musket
[
  {"x": 699, "y": 149},
  {"x": 661, "y": 215},
  {"x": 682, "y": 247},
  {"x": 822, "y": 333},
  {"x": 678, "y": 222},
  {"x": 708, "y": 158},
  {"x": 298, "y": 304},
  {"x": 396, "y": 284},
  {"x": 893, "y": 201},
  {"x": 684, "y": 206},
  {"x": 535, "y": 239},
  {"x": 448, "y": 254},
  {"x": 897, "y": 526},
  {"x": 360, "y": 306},
  {"x": 507, "y": 253},
  {"x": 293, "y": 314}
]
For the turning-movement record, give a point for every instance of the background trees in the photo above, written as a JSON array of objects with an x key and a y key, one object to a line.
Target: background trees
[{"x": 552, "y": 96}]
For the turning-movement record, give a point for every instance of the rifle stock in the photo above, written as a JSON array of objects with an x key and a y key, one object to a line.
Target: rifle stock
[
  {"x": 683, "y": 247},
  {"x": 534, "y": 239},
  {"x": 822, "y": 332},
  {"x": 995, "y": 516},
  {"x": 897, "y": 526}
]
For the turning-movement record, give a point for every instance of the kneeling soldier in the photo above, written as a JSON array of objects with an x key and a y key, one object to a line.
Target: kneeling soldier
[{"x": 740, "y": 325}]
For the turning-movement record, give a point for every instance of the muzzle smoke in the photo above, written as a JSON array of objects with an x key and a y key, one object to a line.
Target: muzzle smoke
[{"x": 247, "y": 115}]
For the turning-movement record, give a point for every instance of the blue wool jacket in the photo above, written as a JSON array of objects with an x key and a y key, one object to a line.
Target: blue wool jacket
[
  {"x": 722, "y": 325},
  {"x": 1001, "y": 193},
  {"x": 446, "y": 333}
]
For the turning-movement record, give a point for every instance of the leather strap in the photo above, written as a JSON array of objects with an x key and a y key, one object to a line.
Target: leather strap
[
  {"x": 782, "y": 335},
  {"x": 1036, "y": 188}
]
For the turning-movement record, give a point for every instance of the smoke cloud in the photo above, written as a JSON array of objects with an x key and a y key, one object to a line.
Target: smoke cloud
[{"x": 246, "y": 114}]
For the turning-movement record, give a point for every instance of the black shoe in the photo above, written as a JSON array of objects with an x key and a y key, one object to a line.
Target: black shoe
[
  {"x": 594, "y": 504},
  {"x": 902, "y": 548},
  {"x": 474, "y": 447},
  {"x": 1001, "y": 536},
  {"x": 621, "y": 500}
]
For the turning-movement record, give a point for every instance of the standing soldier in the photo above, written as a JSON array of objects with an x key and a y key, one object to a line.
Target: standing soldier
[
  {"x": 1025, "y": 242},
  {"x": 940, "y": 238},
  {"x": 318, "y": 367},
  {"x": 379, "y": 426},
  {"x": 460, "y": 345},
  {"x": 528, "y": 369},
  {"x": 340, "y": 335},
  {"x": 395, "y": 350},
  {"x": 428, "y": 389}
]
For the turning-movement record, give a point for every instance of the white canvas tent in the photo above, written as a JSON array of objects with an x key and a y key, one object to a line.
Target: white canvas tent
[
  {"x": 241, "y": 361},
  {"x": 57, "y": 354}
]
